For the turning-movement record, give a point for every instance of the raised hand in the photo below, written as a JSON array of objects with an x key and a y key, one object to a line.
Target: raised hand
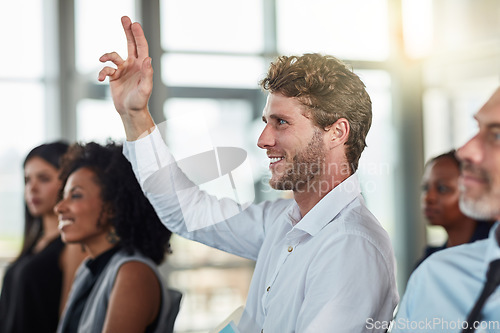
[{"x": 131, "y": 82}]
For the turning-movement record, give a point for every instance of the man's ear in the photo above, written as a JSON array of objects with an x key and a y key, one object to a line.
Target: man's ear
[{"x": 338, "y": 133}]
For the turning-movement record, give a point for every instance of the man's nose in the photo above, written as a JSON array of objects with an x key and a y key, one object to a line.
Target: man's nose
[
  {"x": 266, "y": 138},
  {"x": 471, "y": 151}
]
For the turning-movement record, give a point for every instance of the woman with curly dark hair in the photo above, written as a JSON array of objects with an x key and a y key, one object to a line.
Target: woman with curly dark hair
[{"x": 118, "y": 289}]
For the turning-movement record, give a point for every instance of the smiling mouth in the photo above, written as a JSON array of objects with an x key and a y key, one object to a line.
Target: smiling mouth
[
  {"x": 63, "y": 223},
  {"x": 275, "y": 159},
  {"x": 467, "y": 180}
]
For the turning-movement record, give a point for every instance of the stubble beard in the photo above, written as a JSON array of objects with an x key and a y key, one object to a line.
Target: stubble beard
[{"x": 306, "y": 165}]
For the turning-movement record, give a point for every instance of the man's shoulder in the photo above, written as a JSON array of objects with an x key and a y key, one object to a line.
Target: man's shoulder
[
  {"x": 357, "y": 225},
  {"x": 357, "y": 219},
  {"x": 456, "y": 254},
  {"x": 454, "y": 261}
]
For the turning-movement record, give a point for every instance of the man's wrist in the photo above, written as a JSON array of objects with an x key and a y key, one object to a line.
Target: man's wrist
[{"x": 137, "y": 124}]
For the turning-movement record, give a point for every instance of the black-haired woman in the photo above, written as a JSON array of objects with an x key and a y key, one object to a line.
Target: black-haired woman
[
  {"x": 37, "y": 283},
  {"x": 118, "y": 289}
]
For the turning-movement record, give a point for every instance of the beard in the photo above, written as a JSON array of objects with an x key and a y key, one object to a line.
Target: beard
[
  {"x": 483, "y": 205},
  {"x": 480, "y": 208},
  {"x": 306, "y": 165}
]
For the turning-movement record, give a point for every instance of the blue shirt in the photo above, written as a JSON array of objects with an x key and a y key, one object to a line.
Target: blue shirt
[{"x": 442, "y": 291}]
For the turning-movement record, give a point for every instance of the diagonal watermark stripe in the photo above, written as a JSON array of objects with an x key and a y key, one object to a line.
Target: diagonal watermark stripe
[{"x": 224, "y": 173}]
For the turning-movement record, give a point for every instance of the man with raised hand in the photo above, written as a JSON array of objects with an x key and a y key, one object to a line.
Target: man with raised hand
[
  {"x": 323, "y": 261},
  {"x": 455, "y": 290}
]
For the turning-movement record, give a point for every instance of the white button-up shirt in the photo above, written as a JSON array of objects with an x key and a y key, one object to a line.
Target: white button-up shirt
[{"x": 332, "y": 272}]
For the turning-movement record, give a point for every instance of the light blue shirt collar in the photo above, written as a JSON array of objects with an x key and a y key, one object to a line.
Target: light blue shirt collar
[{"x": 493, "y": 250}]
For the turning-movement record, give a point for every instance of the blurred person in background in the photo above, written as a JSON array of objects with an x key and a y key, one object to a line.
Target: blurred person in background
[
  {"x": 456, "y": 289},
  {"x": 118, "y": 288},
  {"x": 36, "y": 285},
  {"x": 440, "y": 204}
]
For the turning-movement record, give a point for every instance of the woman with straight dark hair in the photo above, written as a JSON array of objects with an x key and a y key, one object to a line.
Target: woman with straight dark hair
[{"x": 37, "y": 283}]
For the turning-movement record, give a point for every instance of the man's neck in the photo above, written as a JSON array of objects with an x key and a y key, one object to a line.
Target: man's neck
[{"x": 308, "y": 196}]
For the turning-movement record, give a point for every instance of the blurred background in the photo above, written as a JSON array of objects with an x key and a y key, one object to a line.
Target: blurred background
[{"x": 428, "y": 66}]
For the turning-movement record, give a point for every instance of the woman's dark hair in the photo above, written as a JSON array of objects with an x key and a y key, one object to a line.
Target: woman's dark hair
[
  {"x": 33, "y": 227},
  {"x": 450, "y": 154},
  {"x": 133, "y": 217}
]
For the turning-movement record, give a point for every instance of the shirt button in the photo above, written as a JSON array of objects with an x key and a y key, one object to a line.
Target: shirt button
[
  {"x": 268, "y": 288},
  {"x": 290, "y": 248}
]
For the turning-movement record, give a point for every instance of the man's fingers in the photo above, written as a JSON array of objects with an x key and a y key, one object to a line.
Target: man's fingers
[
  {"x": 131, "y": 46},
  {"x": 113, "y": 57},
  {"x": 140, "y": 41},
  {"x": 146, "y": 83},
  {"x": 106, "y": 71}
]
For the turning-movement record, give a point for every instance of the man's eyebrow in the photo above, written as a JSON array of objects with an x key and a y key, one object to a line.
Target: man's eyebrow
[
  {"x": 279, "y": 116},
  {"x": 273, "y": 116},
  {"x": 493, "y": 126}
]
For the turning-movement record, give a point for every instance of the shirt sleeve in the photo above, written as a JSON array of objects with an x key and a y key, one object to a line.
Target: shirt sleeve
[
  {"x": 190, "y": 212},
  {"x": 357, "y": 293},
  {"x": 403, "y": 320}
]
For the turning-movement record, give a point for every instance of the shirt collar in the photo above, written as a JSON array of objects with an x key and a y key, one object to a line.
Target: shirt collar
[
  {"x": 327, "y": 208},
  {"x": 493, "y": 251}
]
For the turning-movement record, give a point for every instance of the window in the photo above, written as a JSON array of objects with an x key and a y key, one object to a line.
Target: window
[
  {"x": 212, "y": 70},
  {"x": 98, "y": 30},
  {"x": 23, "y": 102},
  {"x": 217, "y": 26},
  {"x": 355, "y": 29}
]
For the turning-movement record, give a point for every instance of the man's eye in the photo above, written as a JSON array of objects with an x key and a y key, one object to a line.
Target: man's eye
[{"x": 282, "y": 122}]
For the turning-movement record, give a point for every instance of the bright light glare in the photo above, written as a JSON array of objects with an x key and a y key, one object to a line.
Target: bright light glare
[
  {"x": 97, "y": 121},
  {"x": 22, "y": 39},
  {"x": 215, "y": 25},
  {"x": 355, "y": 29},
  {"x": 417, "y": 27},
  {"x": 213, "y": 71},
  {"x": 98, "y": 30}
]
